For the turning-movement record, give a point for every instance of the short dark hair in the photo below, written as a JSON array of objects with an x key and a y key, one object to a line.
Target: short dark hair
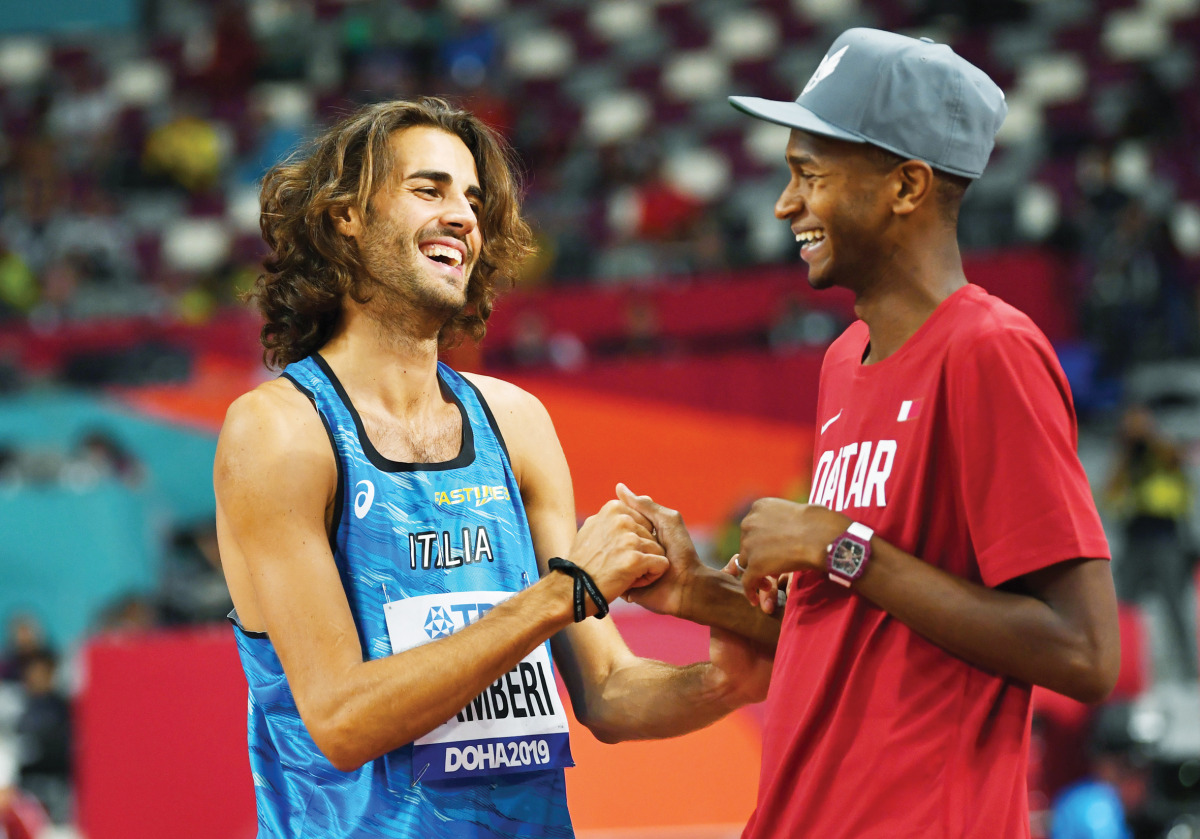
[
  {"x": 312, "y": 267},
  {"x": 950, "y": 188}
]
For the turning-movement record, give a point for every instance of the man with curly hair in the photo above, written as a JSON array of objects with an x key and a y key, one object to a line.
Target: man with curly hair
[{"x": 400, "y": 539}]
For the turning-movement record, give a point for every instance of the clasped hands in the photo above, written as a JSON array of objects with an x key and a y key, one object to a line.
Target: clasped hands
[
  {"x": 777, "y": 538},
  {"x": 636, "y": 548}
]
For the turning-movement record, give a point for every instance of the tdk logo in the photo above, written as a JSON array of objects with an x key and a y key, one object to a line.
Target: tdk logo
[
  {"x": 438, "y": 624},
  {"x": 446, "y": 620}
]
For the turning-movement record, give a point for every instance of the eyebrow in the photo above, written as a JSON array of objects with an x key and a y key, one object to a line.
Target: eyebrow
[
  {"x": 444, "y": 178},
  {"x": 800, "y": 160}
]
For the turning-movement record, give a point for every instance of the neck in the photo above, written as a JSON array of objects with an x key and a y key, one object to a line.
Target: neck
[
  {"x": 903, "y": 295},
  {"x": 393, "y": 365}
]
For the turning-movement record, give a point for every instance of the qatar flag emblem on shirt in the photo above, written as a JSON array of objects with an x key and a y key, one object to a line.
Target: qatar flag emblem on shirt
[{"x": 910, "y": 409}]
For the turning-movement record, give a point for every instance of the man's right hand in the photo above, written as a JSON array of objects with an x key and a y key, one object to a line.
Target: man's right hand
[
  {"x": 618, "y": 551},
  {"x": 666, "y": 594}
]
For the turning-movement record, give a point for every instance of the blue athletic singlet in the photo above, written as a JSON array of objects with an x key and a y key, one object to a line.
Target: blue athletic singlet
[{"x": 422, "y": 549}]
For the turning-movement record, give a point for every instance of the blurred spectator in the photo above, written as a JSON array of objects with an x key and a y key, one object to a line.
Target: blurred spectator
[
  {"x": 60, "y": 283},
  {"x": 533, "y": 346},
  {"x": 530, "y": 345},
  {"x": 100, "y": 456},
  {"x": 665, "y": 214},
  {"x": 131, "y": 613},
  {"x": 193, "y": 589},
  {"x": 1153, "y": 113},
  {"x": 1153, "y": 494},
  {"x": 187, "y": 149},
  {"x": 44, "y": 738},
  {"x": 468, "y": 54},
  {"x": 93, "y": 237},
  {"x": 1100, "y": 805},
  {"x": 36, "y": 195},
  {"x": 26, "y": 641},
  {"x": 18, "y": 285},
  {"x": 643, "y": 334},
  {"x": 229, "y": 71},
  {"x": 21, "y": 815},
  {"x": 83, "y": 109},
  {"x": 1137, "y": 308},
  {"x": 1137, "y": 304},
  {"x": 708, "y": 248},
  {"x": 10, "y": 465},
  {"x": 797, "y": 326}
]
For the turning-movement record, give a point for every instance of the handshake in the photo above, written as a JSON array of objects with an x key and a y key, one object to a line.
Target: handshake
[{"x": 640, "y": 550}]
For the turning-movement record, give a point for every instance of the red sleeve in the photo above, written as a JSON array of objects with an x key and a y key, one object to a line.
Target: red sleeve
[{"x": 1027, "y": 500}]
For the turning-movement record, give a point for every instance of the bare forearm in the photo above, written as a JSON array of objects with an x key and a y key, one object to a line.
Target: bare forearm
[
  {"x": 716, "y": 599},
  {"x": 1014, "y": 634},
  {"x": 647, "y": 699},
  {"x": 370, "y": 708}
]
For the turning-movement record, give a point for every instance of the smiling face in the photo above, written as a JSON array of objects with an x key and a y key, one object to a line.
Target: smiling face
[
  {"x": 837, "y": 207},
  {"x": 420, "y": 237}
]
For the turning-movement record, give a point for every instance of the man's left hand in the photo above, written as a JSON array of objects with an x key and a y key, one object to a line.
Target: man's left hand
[{"x": 780, "y": 536}]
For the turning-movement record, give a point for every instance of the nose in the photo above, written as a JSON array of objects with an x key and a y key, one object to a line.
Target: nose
[
  {"x": 458, "y": 214},
  {"x": 789, "y": 203}
]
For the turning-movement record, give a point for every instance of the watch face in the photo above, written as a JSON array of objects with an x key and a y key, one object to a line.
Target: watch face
[{"x": 847, "y": 557}]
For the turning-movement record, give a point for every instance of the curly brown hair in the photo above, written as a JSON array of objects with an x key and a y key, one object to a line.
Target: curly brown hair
[{"x": 311, "y": 266}]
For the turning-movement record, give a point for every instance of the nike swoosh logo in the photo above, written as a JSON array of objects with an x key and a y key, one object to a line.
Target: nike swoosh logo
[{"x": 831, "y": 421}]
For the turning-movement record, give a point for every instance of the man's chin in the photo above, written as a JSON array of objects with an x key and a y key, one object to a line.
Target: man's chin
[
  {"x": 819, "y": 280},
  {"x": 448, "y": 307}
]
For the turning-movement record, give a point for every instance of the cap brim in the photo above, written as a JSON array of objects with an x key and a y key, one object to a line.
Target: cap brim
[{"x": 792, "y": 115}]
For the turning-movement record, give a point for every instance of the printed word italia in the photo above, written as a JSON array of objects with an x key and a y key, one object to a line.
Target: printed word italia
[
  {"x": 433, "y": 549},
  {"x": 854, "y": 476}
]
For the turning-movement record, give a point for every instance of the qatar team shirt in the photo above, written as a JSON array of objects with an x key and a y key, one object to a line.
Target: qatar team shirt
[
  {"x": 959, "y": 448},
  {"x": 422, "y": 550}
]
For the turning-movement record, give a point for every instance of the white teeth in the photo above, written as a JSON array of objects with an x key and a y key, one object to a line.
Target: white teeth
[
  {"x": 809, "y": 237},
  {"x": 433, "y": 251}
]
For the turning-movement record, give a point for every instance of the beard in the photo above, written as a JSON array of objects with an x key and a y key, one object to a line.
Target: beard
[{"x": 399, "y": 284}]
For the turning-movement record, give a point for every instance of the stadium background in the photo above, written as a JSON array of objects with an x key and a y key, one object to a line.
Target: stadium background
[{"x": 665, "y": 322}]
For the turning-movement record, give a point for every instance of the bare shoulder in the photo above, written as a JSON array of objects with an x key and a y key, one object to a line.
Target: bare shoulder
[
  {"x": 271, "y": 427},
  {"x": 273, "y": 401},
  {"x": 523, "y": 421},
  {"x": 517, "y": 411}
]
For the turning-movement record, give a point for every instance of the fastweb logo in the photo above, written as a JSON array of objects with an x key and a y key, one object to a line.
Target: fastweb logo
[{"x": 476, "y": 496}]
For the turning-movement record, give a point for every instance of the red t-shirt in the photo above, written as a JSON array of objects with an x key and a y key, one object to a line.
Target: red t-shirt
[{"x": 959, "y": 448}]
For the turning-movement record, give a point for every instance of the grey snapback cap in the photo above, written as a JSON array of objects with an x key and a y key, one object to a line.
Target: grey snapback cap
[{"x": 907, "y": 95}]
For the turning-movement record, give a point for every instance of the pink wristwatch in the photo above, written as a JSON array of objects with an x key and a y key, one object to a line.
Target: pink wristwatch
[{"x": 847, "y": 556}]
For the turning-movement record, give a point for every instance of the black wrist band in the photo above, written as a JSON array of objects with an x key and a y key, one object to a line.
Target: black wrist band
[{"x": 583, "y": 583}]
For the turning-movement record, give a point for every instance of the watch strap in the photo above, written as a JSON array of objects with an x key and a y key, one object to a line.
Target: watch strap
[{"x": 857, "y": 528}]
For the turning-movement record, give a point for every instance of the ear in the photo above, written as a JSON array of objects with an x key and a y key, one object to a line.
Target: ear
[
  {"x": 347, "y": 220},
  {"x": 914, "y": 184}
]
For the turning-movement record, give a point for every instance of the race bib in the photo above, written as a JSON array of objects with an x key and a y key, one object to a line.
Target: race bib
[{"x": 517, "y": 724}]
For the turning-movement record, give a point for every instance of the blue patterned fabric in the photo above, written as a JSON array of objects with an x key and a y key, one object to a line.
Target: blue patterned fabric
[{"x": 386, "y": 513}]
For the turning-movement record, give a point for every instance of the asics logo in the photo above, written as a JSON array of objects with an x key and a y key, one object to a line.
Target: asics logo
[{"x": 363, "y": 498}]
